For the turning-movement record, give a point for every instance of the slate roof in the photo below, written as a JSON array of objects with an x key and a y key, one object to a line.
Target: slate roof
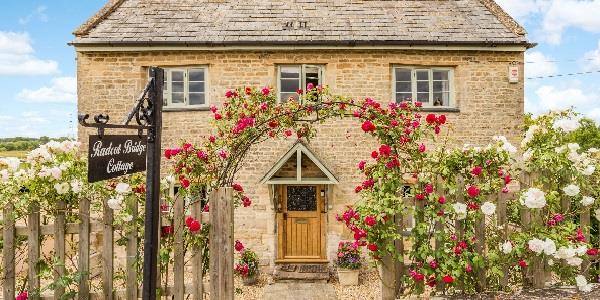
[{"x": 301, "y": 22}]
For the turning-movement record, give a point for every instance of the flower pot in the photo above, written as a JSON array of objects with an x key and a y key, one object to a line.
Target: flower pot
[
  {"x": 348, "y": 277},
  {"x": 250, "y": 280}
]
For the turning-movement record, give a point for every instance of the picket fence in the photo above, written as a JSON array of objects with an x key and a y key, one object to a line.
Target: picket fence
[{"x": 221, "y": 248}]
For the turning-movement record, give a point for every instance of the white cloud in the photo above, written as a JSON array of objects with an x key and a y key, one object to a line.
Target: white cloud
[
  {"x": 521, "y": 9},
  {"x": 16, "y": 56},
  {"x": 39, "y": 13},
  {"x": 563, "y": 14},
  {"x": 537, "y": 64},
  {"x": 592, "y": 59},
  {"x": 62, "y": 89},
  {"x": 554, "y": 98}
]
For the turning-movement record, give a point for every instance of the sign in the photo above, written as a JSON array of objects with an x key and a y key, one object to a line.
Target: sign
[
  {"x": 115, "y": 155},
  {"x": 513, "y": 74}
]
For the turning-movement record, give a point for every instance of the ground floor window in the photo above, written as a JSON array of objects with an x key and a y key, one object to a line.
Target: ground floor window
[
  {"x": 292, "y": 78},
  {"x": 431, "y": 86}
]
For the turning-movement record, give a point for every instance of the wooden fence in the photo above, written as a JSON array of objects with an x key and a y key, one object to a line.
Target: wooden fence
[
  {"x": 535, "y": 275},
  {"x": 221, "y": 249}
]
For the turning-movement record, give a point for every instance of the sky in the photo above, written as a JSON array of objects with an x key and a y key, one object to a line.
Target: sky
[{"x": 38, "y": 68}]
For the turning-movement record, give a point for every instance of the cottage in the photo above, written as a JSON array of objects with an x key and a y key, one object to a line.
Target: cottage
[{"x": 454, "y": 56}]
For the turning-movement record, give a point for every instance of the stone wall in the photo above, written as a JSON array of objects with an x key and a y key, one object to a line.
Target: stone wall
[{"x": 489, "y": 105}]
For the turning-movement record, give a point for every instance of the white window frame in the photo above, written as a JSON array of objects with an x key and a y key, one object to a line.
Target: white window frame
[
  {"x": 302, "y": 79},
  {"x": 414, "y": 69},
  {"x": 167, "y": 95}
]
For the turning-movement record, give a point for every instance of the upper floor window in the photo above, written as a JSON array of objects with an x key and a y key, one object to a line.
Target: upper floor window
[
  {"x": 292, "y": 78},
  {"x": 185, "y": 87},
  {"x": 431, "y": 86}
]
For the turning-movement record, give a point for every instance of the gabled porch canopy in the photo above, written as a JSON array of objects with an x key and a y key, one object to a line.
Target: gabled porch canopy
[{"x": 299, "y": 166}]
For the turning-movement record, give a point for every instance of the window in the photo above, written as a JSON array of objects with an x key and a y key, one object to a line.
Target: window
[
  {"x": 432, "y": 86},
  {"x": 185, "y": 87},
  {"x": 295, "y": 77}
]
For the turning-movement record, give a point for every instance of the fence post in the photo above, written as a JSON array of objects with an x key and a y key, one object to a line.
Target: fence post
[
  {"x": 132, "y": 254},
  {"x": 525, "y": 222},
  {"x": 503, "y": 222},
  {"x": 458, "y": 225},
  {"x": 84, "y": 249},
  {"x": 8, "y": 253},
  {"x": 221, "y": 244},
  {"x": 198, "y": 252},
  {"x": 107, "y": 253},
  {"x": 480, "y": 248},
  {"x": 399, "y": 244},
  {"x": 178, "y": 255},
  {"x": 439, "y": 226},
  {"x": 59, "y": 246},
  {"x": 33, "y": 239}
]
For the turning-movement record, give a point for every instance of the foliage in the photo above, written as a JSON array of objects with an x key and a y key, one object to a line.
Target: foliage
[
  {"x": 348, "y": 255},
  {"x": 247, "y": 265},
  {"x": 25, "y": 143}
]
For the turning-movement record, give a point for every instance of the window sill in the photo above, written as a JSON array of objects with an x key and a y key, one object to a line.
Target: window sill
[
  {"x": 175, "y": 109},
  {"x": 441, "y": 109}
]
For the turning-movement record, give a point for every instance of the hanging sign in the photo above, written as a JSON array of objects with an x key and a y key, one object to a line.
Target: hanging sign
[
  {"x": 513, "y": 74},
  {"x": 111, "y": 156}
]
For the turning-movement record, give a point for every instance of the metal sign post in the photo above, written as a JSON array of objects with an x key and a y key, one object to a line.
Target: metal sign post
[{"x": 147, "y": 112}]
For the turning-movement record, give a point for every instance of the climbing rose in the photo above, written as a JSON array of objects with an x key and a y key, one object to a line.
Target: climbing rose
[
  {"x": 358, "y": 189},
  {"x": 442, "y": 199},
  {"x": 571, "y": 190},
  {"x": 507, "y": 179},
  {"x": 361, "y": 165},
  {"x": 194, "y": 226},
  {"x": 218, "y": 116},
  {"x": 189, "y": 220},
  {"x": 237, "y": 187},
  {"x": 385, "y": 150},
  {"x": 534, "y": 198},
  {"x": 230, "y": 94},
  {"x": 522, "y": 263},
  {"x": 372, "y": 247},
  {"x": 248, "y": 90},
  {"x": 428, "y": 188},
  {"x": 441, "y": 119},
  {"x": 22, "y": 296},
  {"x": 488, "y": 208},
  {"x": 265, "y": 91},
  {"x": 592, "y": 252},
  {"x": 368, "y": 126},
  {"x": 185, "y": 183},
  {"x": 422, "y": 148},
  {"x": 288, "y": 132},
  {"x": 476, "y": 170},
  {"x": 430, "y": 118},
  {"x": 167, "y": 230},
  {"x": 420, "y": 197},
  {"x": 448, "y": 279},
  {"x": 374, "y": 154},
  {"x": 370, "y": 220},
  {"x": 419, "y": 277},
  {"x": 246, "y": 201},
  {"x": 310, "y": 86},
  {"x": 238, "y": 246},
  {"x": 468, "y": 268},
  {"x": 202, "y": 155},
  {"x": 473, "y": 191}
]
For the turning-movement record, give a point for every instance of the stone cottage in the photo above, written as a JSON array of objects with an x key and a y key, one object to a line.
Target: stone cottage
[{"x": 460, "y": 57}]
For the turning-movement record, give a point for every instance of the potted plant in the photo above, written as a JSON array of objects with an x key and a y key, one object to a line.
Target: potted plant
[
  {"x": 348, "y": 263},
  {"x": 247, "y": 265}
]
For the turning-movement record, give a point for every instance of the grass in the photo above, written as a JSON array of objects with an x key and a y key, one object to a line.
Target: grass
[{"x": 15, "y": 153}]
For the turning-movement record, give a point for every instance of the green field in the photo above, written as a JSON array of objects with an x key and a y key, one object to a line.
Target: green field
[{"x": 14, "y": 153}]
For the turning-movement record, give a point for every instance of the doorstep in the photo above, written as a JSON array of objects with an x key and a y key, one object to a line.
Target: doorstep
[{"x": 310, "y": 272}]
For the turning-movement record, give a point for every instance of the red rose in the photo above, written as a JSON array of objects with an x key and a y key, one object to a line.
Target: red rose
[
  {"x": 420, "y": 197},
  {"x": 202, "y": 155},
  {"x": 473, "y": 191},
  {"x": 237, "y": 187},
  {"x": 194, "y": 226},
  {"x": 166, "y": 230},
  {"x": 522, "y": 263},
  {"x": 374, "y": 154},
  {"x": 419, "y": 277},
  {"x": 288, "y": 132},
  {"x": 238, "y": 246},
  {"x": 428, "y": 188},
  {"x": 185, "y": 183},
  {"x": 248, "y": 90},
  {"x": 441, "y": 119},
  {"x": 472, "y": 206},
  {"x": 507, "y": 179},
  {"x": 368, "y": 183},
  {"x": 385, "y": 150},
  {"x": 212, "y": 138},
  {"x": 230, "y": 94},
  {"x": 273, "y": 123},
  {"x": 393, "y": 123},
  {"x": 431, "y": 281},
  {"x": 246, "y": 201},
  {"x": 370, "y": 221},
  {"x": 206, "y": 208},
  {"x": 368, "y": 126},
  {"x": 422, "y": 148},
  {"x": 476, "y": 170},
  {"x": 361, "y": 165},
  {"x": 418, "y": 104},
  {"x": 436, "y": 129},
  {"x": 218, "y": 116},
  {"x": 299, "y": 91},
  {"x": 372, "y": 247},
  {"x": 592, "y": 252},
  {"x": 358, "y": 189},
  {"x": 430, "y": 118},
  {"x": 468, "y": 268},
  {"x": 442, "y": 199},
  {"x": 265, "y": 91},
  {"x": 189, "y": 220},
  {"x": 448, "y": 279}
]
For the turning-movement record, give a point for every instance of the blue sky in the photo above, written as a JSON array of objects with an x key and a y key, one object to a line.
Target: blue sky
[{"x": 37, "y": 67}]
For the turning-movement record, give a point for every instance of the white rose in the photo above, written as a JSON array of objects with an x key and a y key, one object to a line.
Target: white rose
[
  {"x": 115, "y": 203},
  {"x": 122, "y": 188},
  {"x": 581, "y": 250},
  {"x": 536, "y": 245},
  {"x": 170, "y": 179},
  {"x": 564, "y": 253},
  {"x": 551, "y": 262},
  {"x": 589, "y": 170},
  {"x": 573, "y": 146},
  {"x": 76, "y": 186},
  {"x": 4, "y": 175},
  {"x": 574, "y": 157},
  {"x": 56, "y": 173},
  {"x": 506, "y": 247},
  {"x": 460, "y": 209},
  {"x": 549, "y": 246},
  {"x": 593, "y": 150},
  {"x": 488, "y": 208},
  {"x": 566, "y": 124},
  {"x": 587, "y": 201},
  {"x": 574, "y": 261},
  {"x": 580, "y": 280},
  {"x": 528, "y": 154},
  {"x": 127, "y": 218},
  {"x": 529, "y": 134},
  {"x": 61, "y": 188},
  {"x": 571, "y": 190},
  {"x": 561, "y": 149},
  {"x": 534, "y": 198},
  {"x": 12, "y": 163}
]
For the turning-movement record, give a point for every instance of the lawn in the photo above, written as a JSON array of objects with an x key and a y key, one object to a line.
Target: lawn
[{"x": 14, "y": 153}]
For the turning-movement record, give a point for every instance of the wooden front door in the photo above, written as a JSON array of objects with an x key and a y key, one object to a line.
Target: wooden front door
[{"x": 300, "y": 221}]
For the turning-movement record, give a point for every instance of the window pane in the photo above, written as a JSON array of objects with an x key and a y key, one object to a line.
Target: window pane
[
  {"x": 177, "y": 87},
  {"x": 403, "y": 75},
  {"x": 423, "y": 97},
  {"x": 196, "y": 75},
  {"x": 290, "y": 85},
  {"x": 312, "y": 75},
  {"x": 177, "y": 97},
  {"x": 290, "y": 72},
  {"x": 422, "y": 86},
  {"x": 423, "y": 75},
  {"x": 284, "y": 97},
  {"x": 196, "y": 87},
  {"x": 196, "y": 98},
  {"x": 440, "y": 74},
  {"x": 403, "y": 87},
  {"x": 403, "y": 97},
  {"x": 177, "y": 76},
  {"x": 441, "y": 86},
  {"x": 441, "y": 99}
]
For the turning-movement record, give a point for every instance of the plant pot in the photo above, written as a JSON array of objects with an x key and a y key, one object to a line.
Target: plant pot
[
  {"x": 250, "y": 280},
  {"x": 348, "y": 277}
]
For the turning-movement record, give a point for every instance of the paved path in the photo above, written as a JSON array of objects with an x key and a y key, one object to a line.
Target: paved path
[{"x": 299, "y": 291}]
